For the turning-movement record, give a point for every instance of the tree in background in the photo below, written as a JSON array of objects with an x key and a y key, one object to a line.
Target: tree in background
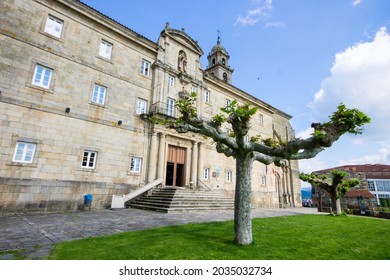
[
  {"x": 266, "y": 151},
  {"x": 336, "y": 185}
]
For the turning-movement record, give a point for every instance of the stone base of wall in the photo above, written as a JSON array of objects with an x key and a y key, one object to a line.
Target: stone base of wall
[{"x": 33, "y": 195}]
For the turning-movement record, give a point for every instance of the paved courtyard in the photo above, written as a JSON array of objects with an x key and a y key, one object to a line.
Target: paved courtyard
[{"x": 34, "y": 235}]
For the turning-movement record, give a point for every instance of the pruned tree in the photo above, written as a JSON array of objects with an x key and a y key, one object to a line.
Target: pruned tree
[
  {"x": 266, "y": 151},
  {"x": 336, "y": 185}
]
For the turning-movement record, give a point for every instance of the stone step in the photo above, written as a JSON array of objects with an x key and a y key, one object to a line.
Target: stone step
[{"x": 179, "y": 200}]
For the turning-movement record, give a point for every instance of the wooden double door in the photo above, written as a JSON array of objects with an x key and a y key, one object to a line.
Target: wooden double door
[{"x": 175, "y": 171}]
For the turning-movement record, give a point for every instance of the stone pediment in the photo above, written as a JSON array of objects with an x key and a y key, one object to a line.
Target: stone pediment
[{"x": 182, "y": 37}]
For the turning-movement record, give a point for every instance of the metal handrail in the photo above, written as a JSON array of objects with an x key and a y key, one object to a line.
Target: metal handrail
[{"x": 202, "y": 185}]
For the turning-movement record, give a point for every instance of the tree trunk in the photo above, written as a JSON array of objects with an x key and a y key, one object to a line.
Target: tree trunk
[
  {"x": 243, "y": 200},
  {"x": 336, "y": 204}
]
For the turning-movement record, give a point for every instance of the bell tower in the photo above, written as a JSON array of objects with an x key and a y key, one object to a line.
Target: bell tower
[{"x": 218, "y": 60}]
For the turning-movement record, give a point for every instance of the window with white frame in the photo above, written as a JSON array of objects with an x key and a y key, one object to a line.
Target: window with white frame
[
  {"x": 24, "y": 152},
  {"x": 42, "y": 76},
  {"x": 135, "y": 165},
  {"x": 261, "y": 119},
  {"x": 193, "y": 89},
  {"x": 89, "y": 159},
  {"x": 206, "y": 173},
  {"x": 171, "y": 81},
  {"x": 207, "y": 96},
  {"x": 229, "y": 174},
  {"x": 142, "y": 106},
  {"x": 99, "y": 94},
  {"x": 145, "y": 67},
  {"x": 54, "y": 26},
  {"x": 105, "y": 49},
  {"x": 171, "y": 107}
]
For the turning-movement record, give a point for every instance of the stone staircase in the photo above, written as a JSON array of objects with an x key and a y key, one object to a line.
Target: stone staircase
[{"x": 170, "y": 199}]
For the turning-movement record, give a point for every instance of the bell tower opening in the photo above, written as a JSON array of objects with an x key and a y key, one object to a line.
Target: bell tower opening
[{"x": 218, "y": 60}]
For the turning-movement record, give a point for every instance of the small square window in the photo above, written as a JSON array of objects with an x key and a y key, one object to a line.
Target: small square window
[
  {"x": 136, "y": 164},
  {"x": 145, "y": 67},
  {"x": 89, "y": 159},
  {"x": 207, "y": 96},
  {"x": 99, "y": 94},
  {"x": 24, "y": 152},
  {"x": 206, "y": 173},
  {"x": 171, "y": 81},
  {"x": 54, "y": 26},
  {"x": 142, "y": 106},
  {"x": 105, "y": 49},
  {"x": 42, "y": 76}
]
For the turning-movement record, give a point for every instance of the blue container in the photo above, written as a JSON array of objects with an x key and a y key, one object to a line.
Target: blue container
[{"x": 88, "y": 199}]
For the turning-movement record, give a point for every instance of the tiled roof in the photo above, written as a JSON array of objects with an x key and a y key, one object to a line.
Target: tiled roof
[
  {"x": 359, "y": 192},
  {"x": 366, "y": 168}
]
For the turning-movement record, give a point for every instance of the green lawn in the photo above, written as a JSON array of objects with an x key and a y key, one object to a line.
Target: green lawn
[{"x": 303, "y": 237}]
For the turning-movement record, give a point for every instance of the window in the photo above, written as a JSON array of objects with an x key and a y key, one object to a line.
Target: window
[
  {"x": 145, "y": 66},
  {"x": 206, "y": 173},
  {"x": 54, "y": 26},
  {"x": 171, "y": 81},
  {"x": 99, "y": 94},
  {"x": 263, "y": 180},
  {"x": 142, "y": 106},
  {"x": 171, "y": 107},
  {"x": 193, "y": 89},
  {"x": 24, "y": 152},
  {"x": 42, "y": 76},
  {"x": 105, "y": 49},
  {"x": 207, "y": 96},
  {"x": 225, "y": 77},
  {"x": 227, "y": 103},
  {"x": 261, "y": 119},
  {"x": 136, "y": 164},
  {"x": 229, "y": 176},
  {"x": 89, "y": 159}
]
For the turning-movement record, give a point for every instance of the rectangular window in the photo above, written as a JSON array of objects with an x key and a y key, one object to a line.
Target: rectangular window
[
  {"x": 207, "y": 96},
  {"x": 263, "y": 180},
  {"x": 54, "y": 26},
  {"x": 227, "y": 103},
  {"x": 171, "y": 107},
  {"x": 24, "y": 152},
  {"x": 193, "y": 89},
  {"x": 206, "y": 173},
  {"x": 142, "y": 106},
  {"x": 261, "y": 119},
  {"x": 42, "y": 76},
  {"x": 89, "y": 159},
  {"x": 171, "y": 81},
  {"x": 145, "y": 67},
  {"x": 229, "y": 176},
  {"x": 136, "y": 164},
  {"x": 99, "y": 94},
  {"x": 105, "y": 49}
]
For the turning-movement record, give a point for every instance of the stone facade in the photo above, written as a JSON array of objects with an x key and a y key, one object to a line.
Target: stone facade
[{"x": 75, "y": 90}]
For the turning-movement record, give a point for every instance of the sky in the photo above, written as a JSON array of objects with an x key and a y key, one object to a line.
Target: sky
[{"x": 303, "y": 57}]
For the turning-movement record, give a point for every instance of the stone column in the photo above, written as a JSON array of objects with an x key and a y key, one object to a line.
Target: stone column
[
  {"x": 200, "y": 160},
  {"x": 152, "y": 158},
  {"x": 194, "y": 164},
  {"x": 161, "y": 155}
]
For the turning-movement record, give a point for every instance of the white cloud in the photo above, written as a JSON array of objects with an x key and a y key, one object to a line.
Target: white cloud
[
  {"x": 360, "y": 78},
  {"x": 380, "y": 156},
  {"x": 356, "y": 2},
  {"x": 305, "y": 133},
  {"x": 261, "y": 10}
]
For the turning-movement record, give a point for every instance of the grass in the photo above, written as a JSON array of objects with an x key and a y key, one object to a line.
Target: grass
[{"x": 303, "y": 237}]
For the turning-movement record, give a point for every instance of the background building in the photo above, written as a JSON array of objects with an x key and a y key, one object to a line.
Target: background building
[
  {"x": 374, "y": 186},
  {"x": 76, "y": 87}
]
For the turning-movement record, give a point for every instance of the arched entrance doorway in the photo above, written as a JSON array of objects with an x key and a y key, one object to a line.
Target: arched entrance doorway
[{"x": 175, "y": 172}]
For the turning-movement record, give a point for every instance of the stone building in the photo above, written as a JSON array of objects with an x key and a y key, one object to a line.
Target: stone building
[
  {"x": 76, "y": 90},
  {"x": 373, "y": 189}
]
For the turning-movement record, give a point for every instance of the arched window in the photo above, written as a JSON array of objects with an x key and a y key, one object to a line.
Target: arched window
[
  {"x": 213, "y": 61},
  {"x": 223, "y": 61},
  {"x": 225, "y": 77}
]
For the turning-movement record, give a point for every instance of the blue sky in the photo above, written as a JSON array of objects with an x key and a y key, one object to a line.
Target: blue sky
[{"x": 301, "y": 56}]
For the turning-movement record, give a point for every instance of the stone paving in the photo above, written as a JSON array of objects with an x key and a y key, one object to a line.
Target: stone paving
[{"x": 33, "y": 236}]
